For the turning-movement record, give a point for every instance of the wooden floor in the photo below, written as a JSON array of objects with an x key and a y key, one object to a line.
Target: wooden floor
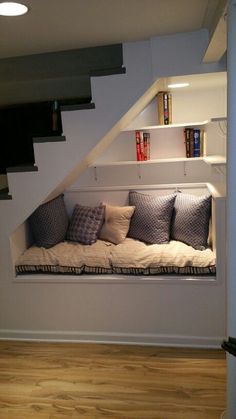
[{"x": 41, "y": 380}]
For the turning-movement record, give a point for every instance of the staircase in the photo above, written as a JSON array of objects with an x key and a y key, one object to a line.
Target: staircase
[{"x": 118, "y": 99}]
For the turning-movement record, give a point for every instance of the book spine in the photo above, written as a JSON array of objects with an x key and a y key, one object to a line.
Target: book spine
[
  {"x": 201, "y": 143},
  {"x": 170, "y": 107},
  {"x": 160, "y": 106},
  {"x": 166, "y": 109},
  {"x": 138, "y": 145},
  {"x": 187, "y": 141},
  {"x": 196, "y": 136},
  {"x": 191, "y": 142},
  {"x": 146, "y": 144},
  {"x": 141, "y": 146}
]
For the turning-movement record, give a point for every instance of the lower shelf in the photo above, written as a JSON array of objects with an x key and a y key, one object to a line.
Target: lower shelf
[{"x": 212, "y": 160}]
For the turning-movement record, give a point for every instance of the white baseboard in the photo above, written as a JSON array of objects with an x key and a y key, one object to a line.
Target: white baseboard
[{"x": 106, "y": 337}]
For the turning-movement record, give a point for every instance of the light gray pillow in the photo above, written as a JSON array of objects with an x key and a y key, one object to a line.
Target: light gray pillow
[
  {"x": 116, "y": 223},
  {"x": 190, "y": 222},
  {"x": 49, "y": 222},
  {"x": 150, "y": 222}
]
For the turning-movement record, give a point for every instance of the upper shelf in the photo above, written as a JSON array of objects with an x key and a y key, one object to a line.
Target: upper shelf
[
  {"x": 215, "y": 160},
  {"x": 181, "y": 125}
]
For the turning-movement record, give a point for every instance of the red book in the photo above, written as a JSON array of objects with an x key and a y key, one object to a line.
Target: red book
[
  {"x": 141, "y": 146},
  {"x": 138, "y": 145}
]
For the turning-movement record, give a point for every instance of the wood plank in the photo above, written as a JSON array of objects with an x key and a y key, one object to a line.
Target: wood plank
[{"x": 57, "y": 380}]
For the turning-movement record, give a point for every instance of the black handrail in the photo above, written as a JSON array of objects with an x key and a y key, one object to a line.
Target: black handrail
[{"x": 229, "y": 345}]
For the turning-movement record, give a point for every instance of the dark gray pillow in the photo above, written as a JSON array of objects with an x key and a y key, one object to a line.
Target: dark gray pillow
[
  {"x": 190, "y": 222},
  {"x": 86, "y": 223},
  {"x": 49, "y": 222},
  {"x": 150, "y": 222}
]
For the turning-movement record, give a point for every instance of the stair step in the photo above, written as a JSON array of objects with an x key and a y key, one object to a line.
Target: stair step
[
  {"x": 22, "y": 168},
  {"x": 108, "y": 71},
  {"x": 77, "y": 106},
  {"x": 51, "y": 138},
  {"x": 4, "y": 194}
]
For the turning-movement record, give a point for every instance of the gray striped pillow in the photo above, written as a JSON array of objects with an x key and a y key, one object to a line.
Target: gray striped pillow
[
  {"x": 49, "y": 222},
  {"x": 190, "y": 222},
  {"x": 150, "y": 222}
]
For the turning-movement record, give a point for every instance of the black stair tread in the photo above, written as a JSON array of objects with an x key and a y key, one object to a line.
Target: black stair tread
[
  {"x": 51, "y": 138},
  {"x": 107, "y": 71},
  {"x": 76, "y": 106},
  {"x": 22, "y": 168},
  {"x": 4, "y": 194}
]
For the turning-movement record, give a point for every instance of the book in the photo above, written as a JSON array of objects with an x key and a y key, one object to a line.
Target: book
[
  {"x": 142, "y": 145},
  {"x": 191, "y": 143},
  {"x": 170, "y": 107},
  {"x": 146, "y": 146},
  {"x": 138, "y": 145},
  {"x": 196, "y": 142},
  {"x": 164, "y": 102},
  {"x": 187, "y": 141},
  {"x": 166, "y": 108},
  {"x": 201, "y": 142},
  {"x": 160, "y": 105}
]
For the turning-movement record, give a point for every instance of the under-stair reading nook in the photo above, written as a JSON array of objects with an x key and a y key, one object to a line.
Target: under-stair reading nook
[
  {"x": 154, "y": 223},
  {"x": 107, "y": 247}
]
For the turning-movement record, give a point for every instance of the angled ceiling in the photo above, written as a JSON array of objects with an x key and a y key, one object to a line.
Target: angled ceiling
[{"x": 55, "y": 25}]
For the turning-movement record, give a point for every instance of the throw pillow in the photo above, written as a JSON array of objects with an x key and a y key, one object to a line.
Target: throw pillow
[
  {"x": 190, "y": 222},
  {"x": 85, "y": 224},
  {"x": 152, "y": 216},
  {"x": 49, "y": 222},
  {"x": 116, "y": 224}
]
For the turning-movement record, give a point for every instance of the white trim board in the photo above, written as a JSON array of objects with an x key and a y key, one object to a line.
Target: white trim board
[
  {"x": 116, "y": 279},
  {"x": 112, "y": 338},
  {"x": 188, "y": 186}
]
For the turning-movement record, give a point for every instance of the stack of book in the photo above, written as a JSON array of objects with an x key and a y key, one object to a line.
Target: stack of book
[
  {"x": 142, "y": 145},
  {"x": 194, "y": 142},
  {"x": 164, "y": 102}
]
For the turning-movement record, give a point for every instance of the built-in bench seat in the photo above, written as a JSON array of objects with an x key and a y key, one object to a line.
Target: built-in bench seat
[
  {"x": 131, "y": 291},
  {"x": 131, "y": 257}
]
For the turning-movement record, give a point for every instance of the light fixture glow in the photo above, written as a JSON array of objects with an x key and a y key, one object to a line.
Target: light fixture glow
[
  {"x": 177, "y": 85},
  {"x": 8, "y": 8}
]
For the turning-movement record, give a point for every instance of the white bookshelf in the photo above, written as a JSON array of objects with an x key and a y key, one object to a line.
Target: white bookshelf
[
  {"x": 169, "y": 126},
  {"x": 199, "y": 107},
  {"x": 215, "y": 160}
]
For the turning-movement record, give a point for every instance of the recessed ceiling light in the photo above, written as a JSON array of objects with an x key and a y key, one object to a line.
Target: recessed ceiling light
[
  {"x": 177, "y": 85},
  {"x": 9, "y": 8}
]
